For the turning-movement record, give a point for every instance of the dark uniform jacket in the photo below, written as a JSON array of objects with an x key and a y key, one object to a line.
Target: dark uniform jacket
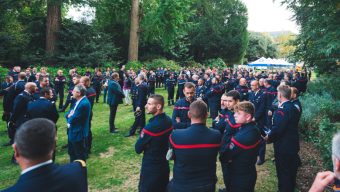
[
  {"x": 284, "y": 133},
  {"x": 91, "y": 95},
  {"x": 241, "y": 152},
  {"x": 60, "y": 84},
  {"x": 180, "y": 89},
  {"x": 200, "y": 91},
  {"x": 221, "y": 124},
  {"x": 243, "y": 90},
  {"x": 170, "y": 84},
  {"x": 195, "y": 151},
  {"x": 53, "y": 178},
  {"x": 142, "y": 94},
  {"x": 271, "y": 93},
  {"x": 181, "y": 109},
  {"x": 42, "y": 108},
  {"x": 153, "y": 141},
  {"x": 298, "y": 106},
  {"x": 214, "y": 94},
  {"x": 259, "y": 101},
  {"x": 19, "y": 109}
]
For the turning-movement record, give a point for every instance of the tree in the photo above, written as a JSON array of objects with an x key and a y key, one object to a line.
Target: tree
[
  {"x": 220, "y": 30},
  {"x": 134, "y": 28},
  {"x": 285, "y": 45},
  {"x": 260, "y": 45},
  {"x": 318, "y": 43},
  {"x": 53, "y": 23}
]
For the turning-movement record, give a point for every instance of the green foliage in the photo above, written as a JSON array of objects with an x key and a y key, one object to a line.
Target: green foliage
[
  {"x": 82, "y": 45},
  {"x": 318, "y": 43},
  {"x": 217, "y": 63},
  {"x": 260, "y": 45},
  {"x": 169, "y": 64},
  {"x": 220, "y": 30},
  {"x": 321, "y": 112},
  {"x": 135, "y": 65}
]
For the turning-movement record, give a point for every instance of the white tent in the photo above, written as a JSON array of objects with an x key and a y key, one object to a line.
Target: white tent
[{"x": 268, "y": 62}]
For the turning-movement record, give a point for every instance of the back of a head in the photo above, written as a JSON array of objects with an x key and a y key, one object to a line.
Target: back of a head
[
  {"x": 35, "y": 139},
  {"x": 198, "y": 110},
  {"x": 285, "y": 91}
]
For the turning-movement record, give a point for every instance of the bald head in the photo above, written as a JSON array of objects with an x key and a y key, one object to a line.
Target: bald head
[
  {"x": 243, "y": 81},
  {"x": 30, "y": 87},
  {"x": 254, "y": 85}
]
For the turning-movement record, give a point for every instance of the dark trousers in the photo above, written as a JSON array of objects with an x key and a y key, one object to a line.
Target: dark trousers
[
  {"x": 59, "y": 91},
  {"x": 172, "y": 187},
  {"x": 105, "y": 94},
  {"x": 154, "y": 180},
  {"x": 286, "y": 170},
  {"x": 98, "y": 91},
  {"x": 89, "y": 138},
  {"x": 77, "y": 150},
  {"x": 113, "y": 110},
  {"x": 262, "y": 150},
  {"x": 68, "y": 101},
  {"x": 139, "y": 122},
  {"x": 151, "y": 90},
  {"x": 226, "y": 175},
  {"x": 158, "y": 82},
  {"x": 214, "y": 107},
  {"x": 171, "y": 92}
]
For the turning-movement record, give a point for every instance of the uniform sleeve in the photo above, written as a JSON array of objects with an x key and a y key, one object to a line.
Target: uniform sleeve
[
  {"x": 79, "y": 113},
  {"x": 180, "y": 125},
  {"x": 280, "y": 122},
  {"x": 260, "y": 111},
  {"x": 18, "y": 105},
  {"x": 142, "y": 142}
]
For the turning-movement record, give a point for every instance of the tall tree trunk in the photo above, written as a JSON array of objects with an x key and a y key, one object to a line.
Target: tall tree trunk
[
  {"x": 134, "y": 28},
  {"x": 53, "y": 23}
]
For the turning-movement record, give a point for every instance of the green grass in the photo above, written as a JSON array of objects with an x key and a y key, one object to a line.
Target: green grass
[{"x": 113, "y": 164}]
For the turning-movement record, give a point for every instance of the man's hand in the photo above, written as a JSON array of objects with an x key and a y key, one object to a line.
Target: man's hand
[
  {"x": 138, "y": 109},
  {"x": 270, "y": 113},
  {"x": 70, "y": 114},
  {"x": 217, "y": 118},
  {"x": 265, "y": 138},
  {"x": 321, "y": 181},
  {"x": 178, "y": 120}
]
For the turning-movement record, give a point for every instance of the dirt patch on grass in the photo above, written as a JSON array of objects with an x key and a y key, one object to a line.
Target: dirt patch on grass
[
  {"x": 311, "y": 165},
  {"x": 109, "y": 153}
]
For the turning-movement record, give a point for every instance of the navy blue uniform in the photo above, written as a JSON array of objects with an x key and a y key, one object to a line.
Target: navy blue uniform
[
  {"x": 271, "y": 94},
  {"x": 214, "y": 99},
  {"x": 231, "y": 129},
  {"x": 194, "y": 151},
  {"x": 153, "y": 142},
  {"x": 151, "y": 84},
  {"x": 221, "y": 124},
  {"x": 59, "y": 85},
  {"x": 200, "y": 91},
  {"x": 97, "y": 85},
  {"x": 170, "y": 84},
  {"x": 181, "y": 109},
  {"x": 142, "y": 93},
  {"x": 259, "y": 101},
  {"x": 240, "y": 155},
  {"x": 19, "y": 109},
  {"x": 285, "y": 136},
  {"x": 244, "y": 92},
  {"x": 42, "y": 108},
  {"x": 37, "y": 95},
  {"x": 91, "y": 95},
  {"x": 53, "y": 178},
  {"x": 298, "y": 106},
  {"x": 5, "y": 88},
  {"x": 180, "y": 93}
]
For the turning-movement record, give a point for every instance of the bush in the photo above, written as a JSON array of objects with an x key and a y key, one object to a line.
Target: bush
[
  {"x": 169, "y": 64},
  {"x": 217, "y": 63},
  {"x": 135, "y": 65},
  {"x": 320, "y": 116}
]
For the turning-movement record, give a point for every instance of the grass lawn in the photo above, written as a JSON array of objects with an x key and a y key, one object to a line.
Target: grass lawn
[{"x": 113, "y": 164}]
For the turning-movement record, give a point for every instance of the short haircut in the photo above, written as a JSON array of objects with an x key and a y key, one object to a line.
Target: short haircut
[
  {"x": 45, "y": 90},
  {"x": 268, "y": 81},
  {"x": 158, "y": 98},
  {"x": 198, "y": 109},
  {"x": 115, "y": 75},
  {"x": 86, "y": 80},
  {"x": 246, "y": 107},
  {"x": 294, "y": 90},
  {"x": 22, "y": 75},
  {"x": 335, "y": 145},
  {"x": 285, "y": 91},
  {"x": 35, "y": 138},
  {"x": 41, "y": 78},
  {"x": 189, "y": 85},
  {"x": 234, "y": 94},
  {"x": 81, "y": 89}
]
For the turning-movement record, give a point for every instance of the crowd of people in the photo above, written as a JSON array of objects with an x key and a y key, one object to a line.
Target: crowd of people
[{"x": 248, "y": 109}]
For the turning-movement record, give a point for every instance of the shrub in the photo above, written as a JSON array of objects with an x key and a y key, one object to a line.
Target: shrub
[
  {"x": 135, "y": 65},
  {"x": 217, "y": 63},
  {"x": 169, "y": 64}
]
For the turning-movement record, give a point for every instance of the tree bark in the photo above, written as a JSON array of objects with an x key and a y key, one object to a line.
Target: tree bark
[
  {"x": 134, "y": 28},
  {"x": 53, "y": 23}
]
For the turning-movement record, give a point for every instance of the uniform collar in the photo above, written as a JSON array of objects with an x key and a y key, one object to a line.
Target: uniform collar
[{"x": 36, "y": 166}]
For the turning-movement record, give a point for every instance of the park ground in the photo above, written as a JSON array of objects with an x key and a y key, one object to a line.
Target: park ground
[{"x": 114, "y": 166}]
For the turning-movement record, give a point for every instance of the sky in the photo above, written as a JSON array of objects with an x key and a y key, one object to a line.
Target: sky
[
  {"x": 268, "y": 16},
  {"x": 263, "y": 15}
]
